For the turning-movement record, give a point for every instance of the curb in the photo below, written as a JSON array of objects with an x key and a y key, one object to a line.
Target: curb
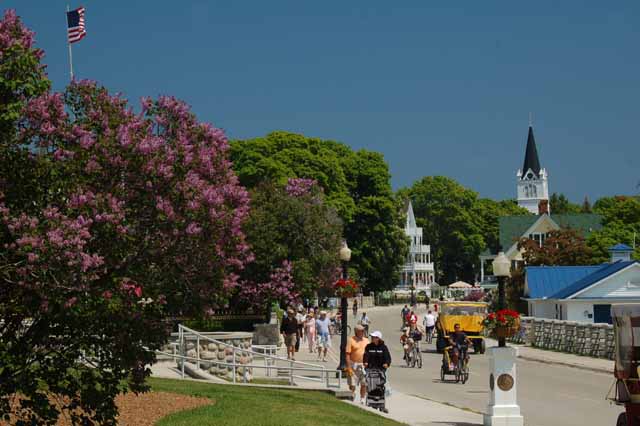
[{"x": 568, "y": 364}]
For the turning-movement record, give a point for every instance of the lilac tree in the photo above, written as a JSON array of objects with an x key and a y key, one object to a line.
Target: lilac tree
[{"x": 128, "y": 217}]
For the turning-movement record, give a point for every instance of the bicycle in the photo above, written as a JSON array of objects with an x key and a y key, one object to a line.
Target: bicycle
[
  {"x": 462, "y": 369},
  {"x": 335, "y": 328},
  {"x": 416, "y": 358}
]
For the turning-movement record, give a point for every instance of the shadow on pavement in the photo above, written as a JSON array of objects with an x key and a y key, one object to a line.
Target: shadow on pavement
[{"x": 454, "y": 424}]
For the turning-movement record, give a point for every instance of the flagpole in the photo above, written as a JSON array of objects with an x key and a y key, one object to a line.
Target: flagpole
[{"x": 69, "y": 44}]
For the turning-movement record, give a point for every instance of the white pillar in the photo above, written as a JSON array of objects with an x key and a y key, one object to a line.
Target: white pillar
[
  {"x": 503, "y": 409},
  {"x": 481, "y": 270}
]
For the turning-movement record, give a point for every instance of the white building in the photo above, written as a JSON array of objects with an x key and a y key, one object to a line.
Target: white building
[
  {"x": 418, "y": 271},
  {"x": 532, "y": 180},
  {"x": 583, "y": 293}
]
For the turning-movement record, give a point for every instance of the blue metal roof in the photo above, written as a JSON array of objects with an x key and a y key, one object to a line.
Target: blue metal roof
[
  {"x": 620, "y": 247},
  {"x": 544, "y": 281},
  {"x": 594, "y": 277}
]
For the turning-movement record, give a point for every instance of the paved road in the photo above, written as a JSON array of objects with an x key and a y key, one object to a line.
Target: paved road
[{"x": 548, "y": 395}]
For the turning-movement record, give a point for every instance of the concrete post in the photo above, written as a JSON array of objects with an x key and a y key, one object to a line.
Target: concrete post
[{"x": 503, "y": 409}]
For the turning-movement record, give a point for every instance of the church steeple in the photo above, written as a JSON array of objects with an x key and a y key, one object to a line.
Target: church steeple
[
  {"x": 532, "y": 183},
  {"x": 531, "y": 161}
]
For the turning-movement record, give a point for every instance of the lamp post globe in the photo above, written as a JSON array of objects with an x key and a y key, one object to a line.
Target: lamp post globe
[
  {"x": 501, "y": 269},
  {"x": 345, "y": 256}
]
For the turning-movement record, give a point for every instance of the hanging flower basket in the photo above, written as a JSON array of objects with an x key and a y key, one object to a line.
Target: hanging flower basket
[
  {"x": 504, "y": 323},
  {"x": 345, "y": 288}
]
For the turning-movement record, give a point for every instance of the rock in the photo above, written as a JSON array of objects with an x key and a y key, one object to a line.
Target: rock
[
  {"x": 190, "y": 345},
  {"x": 212, "y": 347},
  {"x": 191, "y": 353},
  {"x": 207, "y": 355},
  {"x": 220, "y": 355},
  {"x": 221, "y": 347},
  {"x": 228, "y": 351}
]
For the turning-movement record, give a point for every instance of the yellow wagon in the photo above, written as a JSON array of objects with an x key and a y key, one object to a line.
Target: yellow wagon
[{"x": 469, "y": 315}]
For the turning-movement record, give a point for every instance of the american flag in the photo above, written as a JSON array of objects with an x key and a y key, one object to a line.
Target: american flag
[{"x": 75, "y": 25}]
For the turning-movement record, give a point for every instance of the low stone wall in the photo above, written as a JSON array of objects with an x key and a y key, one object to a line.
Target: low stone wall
[
  {"x": 214, "y": 353},
  {"x": 596, "y": 340}
]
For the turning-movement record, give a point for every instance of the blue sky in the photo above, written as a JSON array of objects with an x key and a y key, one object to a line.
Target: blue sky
[{"x": 438, "y": 89}]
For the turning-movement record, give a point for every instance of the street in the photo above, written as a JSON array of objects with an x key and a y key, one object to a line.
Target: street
[{"x": 549, "y": 395}]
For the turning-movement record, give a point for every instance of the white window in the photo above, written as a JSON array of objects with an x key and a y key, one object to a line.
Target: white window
[{"x": 538, "y": 237}]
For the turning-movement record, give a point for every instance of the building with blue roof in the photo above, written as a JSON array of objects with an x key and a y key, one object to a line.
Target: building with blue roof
[{"x": 583, "y": 293}]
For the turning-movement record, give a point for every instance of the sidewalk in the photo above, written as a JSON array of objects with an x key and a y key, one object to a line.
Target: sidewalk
[
  {"x": 404, "y": 408},
  {"x": 560, "y": 358}
]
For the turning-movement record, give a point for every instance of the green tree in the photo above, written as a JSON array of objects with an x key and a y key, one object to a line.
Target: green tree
[
  {"x": 621, "y": 224},
  {"x": 355, "y": 183},
  {"x": 296, "y": 227},
  {"x": 560, "y": 204}
]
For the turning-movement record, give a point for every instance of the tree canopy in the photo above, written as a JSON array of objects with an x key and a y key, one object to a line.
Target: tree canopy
[{"x": 355, "y": 183}]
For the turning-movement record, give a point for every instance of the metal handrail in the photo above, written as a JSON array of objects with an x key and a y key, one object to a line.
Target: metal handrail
[
  {"x": 185, "y": 332},
  {"x": 205, "y": 337}
]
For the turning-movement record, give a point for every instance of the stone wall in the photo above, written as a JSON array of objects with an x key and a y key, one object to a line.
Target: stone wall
[
  {"x": 212, "y": 354},
  {"x": 596, "y": 340}
]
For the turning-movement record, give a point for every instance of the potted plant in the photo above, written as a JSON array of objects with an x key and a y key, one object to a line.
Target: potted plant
[
  {"x": 345, "y": 287},
  {"x": 503, "y": 323}
]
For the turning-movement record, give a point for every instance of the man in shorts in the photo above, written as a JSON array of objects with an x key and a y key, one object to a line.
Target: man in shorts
[
  {"x": 355, "y": 352},
  {"x": 289, "y": 330},
  {"x": 323, "y": 336}
]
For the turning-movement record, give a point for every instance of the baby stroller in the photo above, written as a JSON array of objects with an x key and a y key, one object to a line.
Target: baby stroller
[{"x": 376, "y": 380}]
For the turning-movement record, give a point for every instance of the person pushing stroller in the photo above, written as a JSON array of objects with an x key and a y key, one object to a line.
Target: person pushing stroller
[{"x": 376, "y": 360}]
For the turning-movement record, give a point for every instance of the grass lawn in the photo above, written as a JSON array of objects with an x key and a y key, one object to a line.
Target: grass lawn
[{"x": 249, "y": 406}]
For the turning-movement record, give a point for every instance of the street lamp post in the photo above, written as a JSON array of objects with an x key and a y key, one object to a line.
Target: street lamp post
[
  {"x": 503, "y": 406},
  {"x": 345, "y": 256},
  {"x": 502, "y": 270}
]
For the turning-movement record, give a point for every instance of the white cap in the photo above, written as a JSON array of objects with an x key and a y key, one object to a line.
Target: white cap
[{"x": 376, "y": 334}]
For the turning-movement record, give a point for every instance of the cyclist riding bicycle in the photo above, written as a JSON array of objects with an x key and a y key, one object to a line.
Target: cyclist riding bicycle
[
  {"x": 459, "y": 344},
  {"x": 406, "y": 341}
]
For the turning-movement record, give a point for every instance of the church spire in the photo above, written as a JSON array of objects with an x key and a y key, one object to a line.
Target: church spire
[{"x": 531, "y": 156}]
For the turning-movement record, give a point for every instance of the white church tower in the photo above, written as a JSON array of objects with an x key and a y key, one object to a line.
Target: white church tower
[{"x": 532, "y": 180}]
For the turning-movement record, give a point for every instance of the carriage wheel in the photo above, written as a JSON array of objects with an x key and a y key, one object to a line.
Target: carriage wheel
[{"x": 622, "y": 420}]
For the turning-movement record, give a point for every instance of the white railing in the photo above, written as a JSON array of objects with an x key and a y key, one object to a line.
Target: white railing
[{"x": 266, "y": 352}]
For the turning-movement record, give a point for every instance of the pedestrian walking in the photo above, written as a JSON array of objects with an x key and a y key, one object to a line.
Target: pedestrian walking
[
  {"x": 289, "y": 330},
  {"x": 300, "y": 320},
  {"x": 355, "y": 308},
  {"x": 403, "y": 314},
  {"x": 365, "y": 321},
  {"x": 429, "y": 323},
  {"x": 355, "y": 362},
  {"x": 377, "y": 358},
  {"x": 323, "y": 335},
  {"x": 310, "y": 331},
  {"x": 427, "y": 301}
]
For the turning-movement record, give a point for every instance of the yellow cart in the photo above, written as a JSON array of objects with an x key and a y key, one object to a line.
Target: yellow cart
[{"x": 469, "y": 315}]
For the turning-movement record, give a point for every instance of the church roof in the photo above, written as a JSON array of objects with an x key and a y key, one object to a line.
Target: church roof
[
  {"x": 512, "y": 228},
  {"x": 411, "y": 219},
  {"x": 531, "y": 160}
]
